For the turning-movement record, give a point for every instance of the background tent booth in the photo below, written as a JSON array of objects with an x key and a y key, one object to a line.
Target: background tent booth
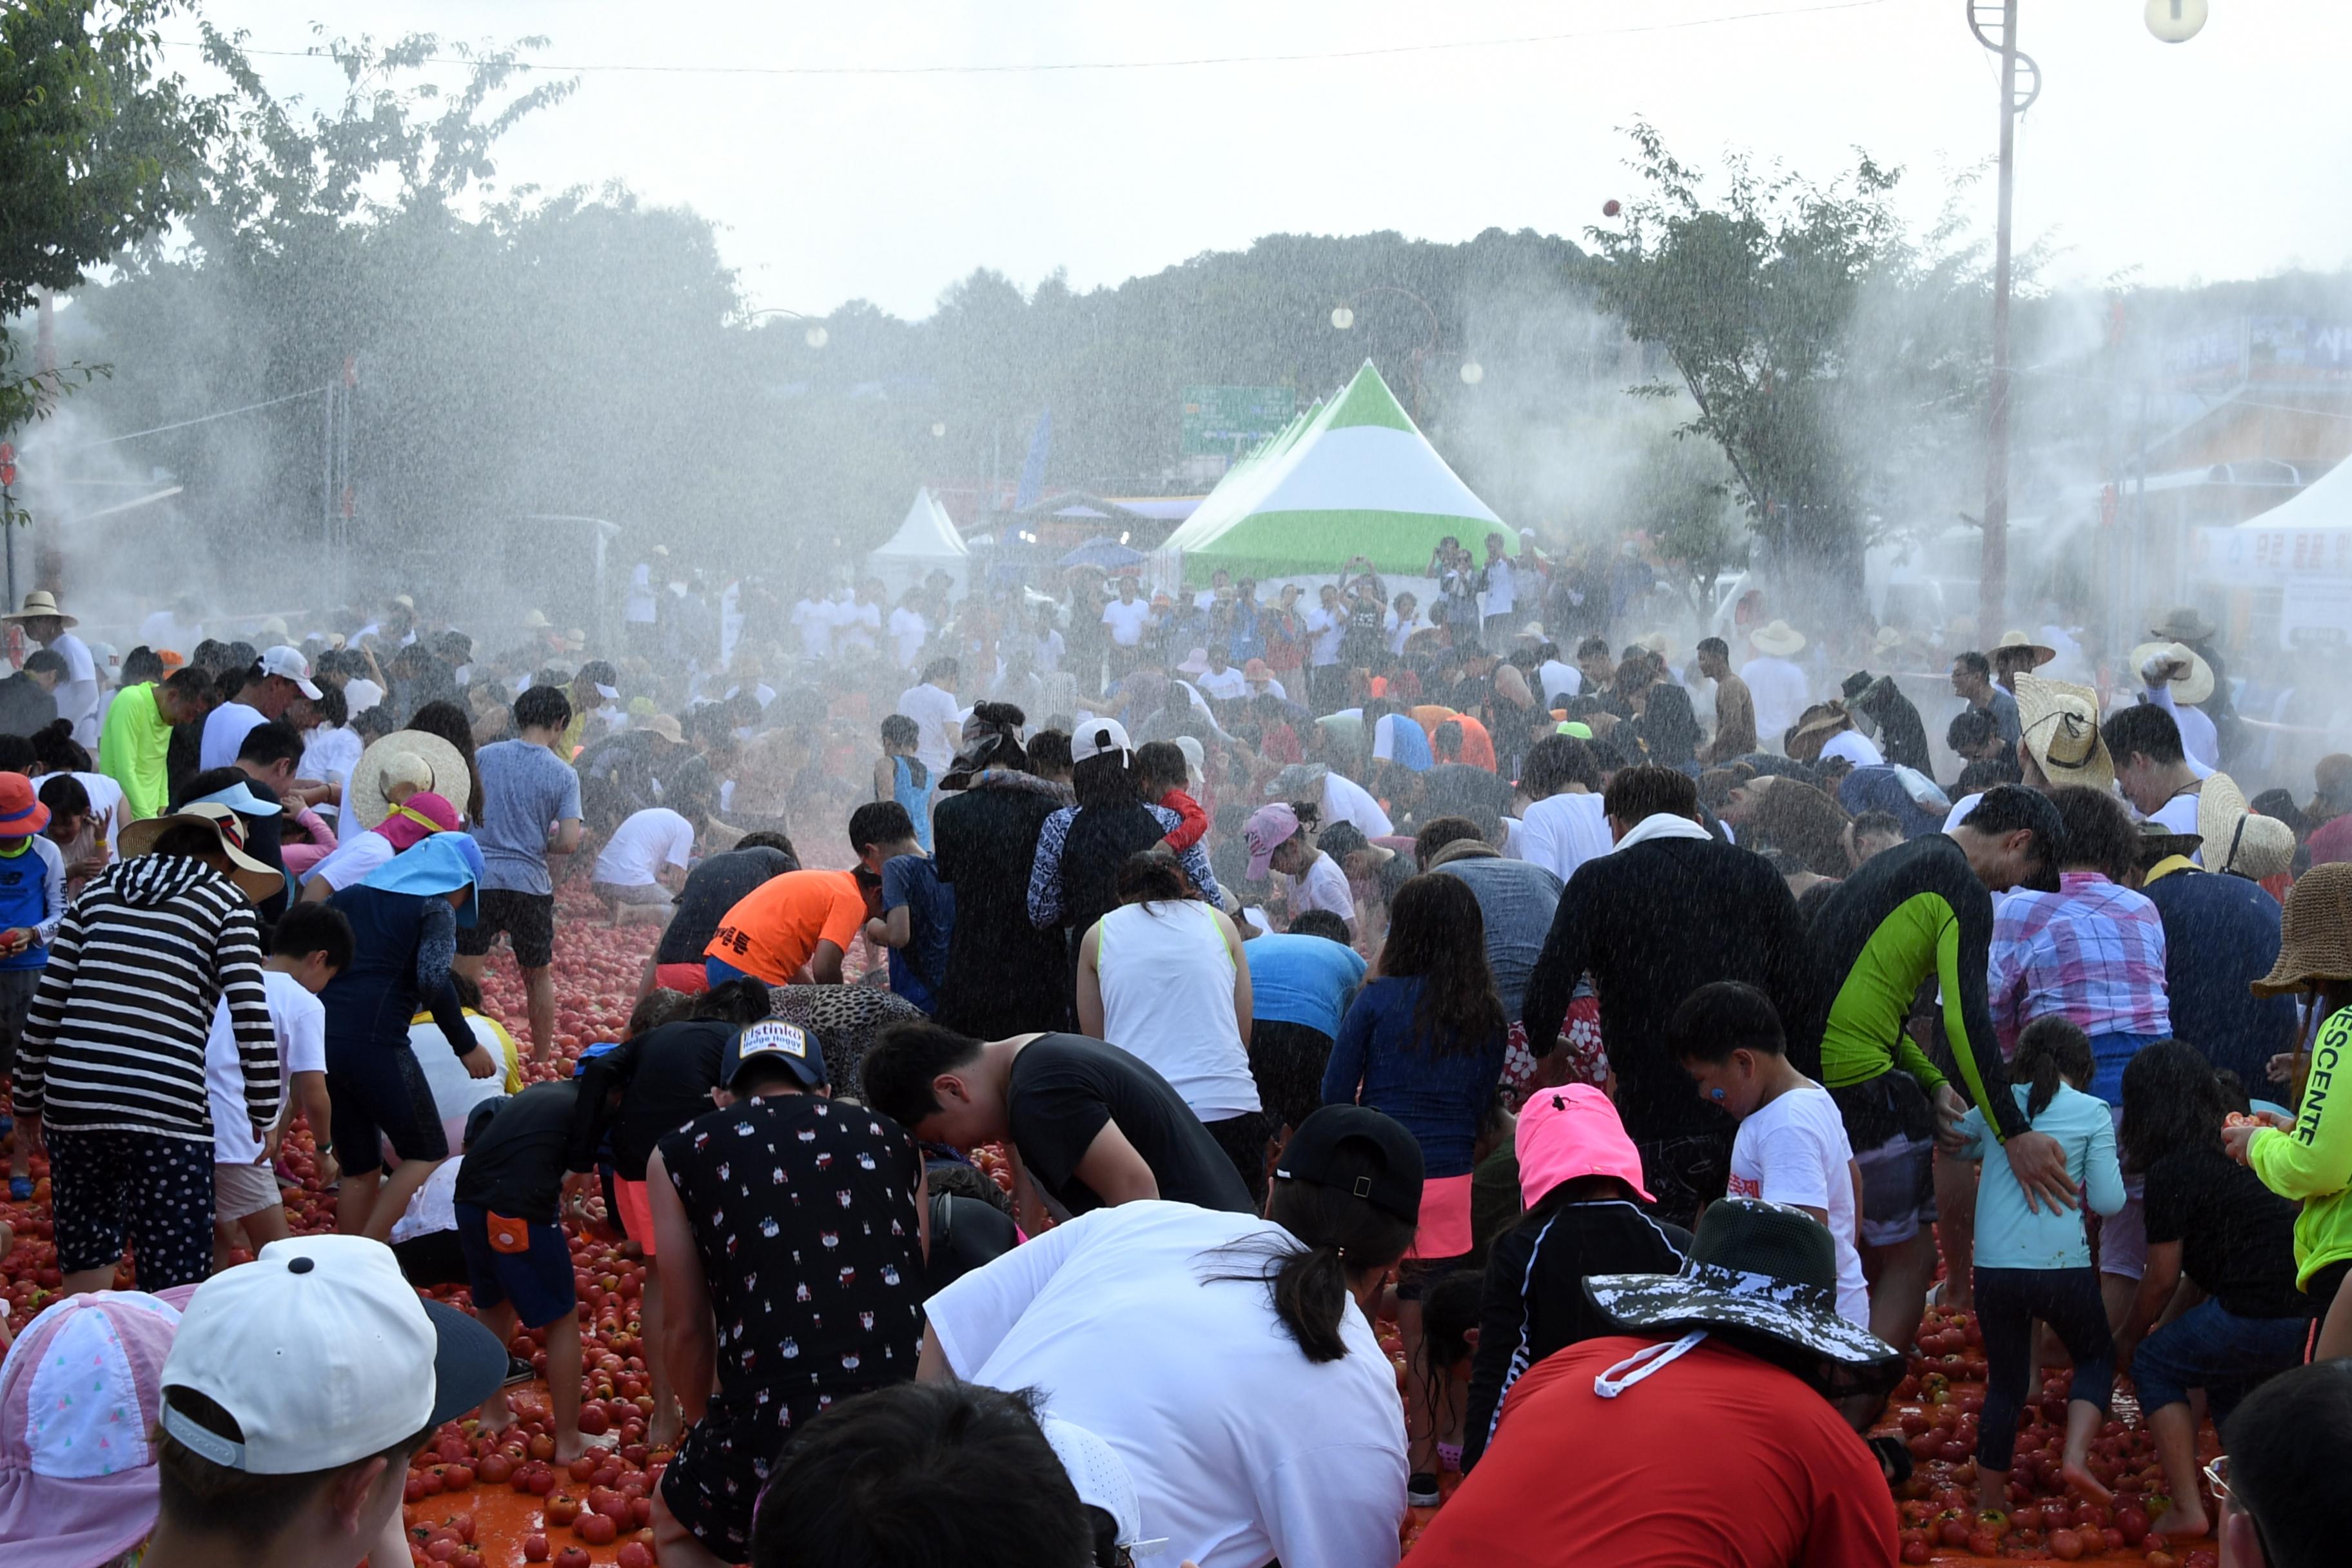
[
  {"x": 1351, "y": 477},
  {"x": 926, "y": 541}
]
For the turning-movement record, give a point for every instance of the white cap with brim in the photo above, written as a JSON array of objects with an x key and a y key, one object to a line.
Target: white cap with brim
[
  {"x": 289, "y": 664},
  {"x": 1102, "y": 1481},
  {"x": 1096, "y": 737},
  {"x": 323, "y": 1355}
]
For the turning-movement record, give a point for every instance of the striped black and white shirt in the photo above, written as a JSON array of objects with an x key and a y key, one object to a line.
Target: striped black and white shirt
[{"x": 115, "y": 1039}]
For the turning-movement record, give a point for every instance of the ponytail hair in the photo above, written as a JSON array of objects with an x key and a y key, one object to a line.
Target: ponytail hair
[
  {"x": 1334, "y": 1234},
  {"x": 1145, "y": 878},
  {"x": 2050, "y": 1050}
]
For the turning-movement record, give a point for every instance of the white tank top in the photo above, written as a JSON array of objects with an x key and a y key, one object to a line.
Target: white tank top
[{"x": 1168, "y": 999}]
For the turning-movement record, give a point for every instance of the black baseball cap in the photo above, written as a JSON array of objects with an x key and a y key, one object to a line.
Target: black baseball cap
[
  {"x": 1357, "y": 1147},
  {"x": 773, "y": 1040}
]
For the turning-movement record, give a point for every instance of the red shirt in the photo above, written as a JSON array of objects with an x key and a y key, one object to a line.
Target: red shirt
[
  {"x": 2331, "y": 840},
  {"x": 1715, "y": 1460}
]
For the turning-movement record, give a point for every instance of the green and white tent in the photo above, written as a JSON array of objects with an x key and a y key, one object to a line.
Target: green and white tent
[{"x": 1350, "y": 477}]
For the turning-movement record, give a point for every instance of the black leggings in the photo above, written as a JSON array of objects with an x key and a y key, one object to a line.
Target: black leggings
[
  {"x": 1244, "y": 1139},
  {"x": 2008, "y": 1302}
]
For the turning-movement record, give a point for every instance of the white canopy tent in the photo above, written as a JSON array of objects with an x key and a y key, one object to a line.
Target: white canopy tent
[{"x": 926, "y": 541}]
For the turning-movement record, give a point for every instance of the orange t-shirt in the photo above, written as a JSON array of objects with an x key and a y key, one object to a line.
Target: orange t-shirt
[{"x": 775, "y": 928}]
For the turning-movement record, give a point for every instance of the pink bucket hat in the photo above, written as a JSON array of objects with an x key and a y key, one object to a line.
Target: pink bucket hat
[
  {"x": 1570, "y": 1132},
  {"x": 79, "y": 1393}
]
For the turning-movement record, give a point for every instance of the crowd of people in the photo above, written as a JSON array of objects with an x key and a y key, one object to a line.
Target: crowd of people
[{"x": 1645, "y": 1045}]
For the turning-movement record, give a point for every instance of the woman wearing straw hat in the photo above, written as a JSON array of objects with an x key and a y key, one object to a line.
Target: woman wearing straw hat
[
  {"x": 77, "y": 694},
  {"x": 2312, "y": 1162}
]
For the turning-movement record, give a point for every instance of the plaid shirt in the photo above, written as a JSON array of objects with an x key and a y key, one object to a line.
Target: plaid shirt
[{"x": 2092, "y": 953}]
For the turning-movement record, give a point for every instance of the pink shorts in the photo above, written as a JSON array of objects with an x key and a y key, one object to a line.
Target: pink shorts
[
  {"x": 637, "y": 1215},
  {"x": 1445, "y": 1229}
]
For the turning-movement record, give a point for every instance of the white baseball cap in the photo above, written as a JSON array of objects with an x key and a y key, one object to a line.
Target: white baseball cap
[
  {"x": 1097, "y": 736},
  {"x": 1102, "y": 1481},
  {"x": 323, "y": 1355},
  {"x": 290, "y": 663}
]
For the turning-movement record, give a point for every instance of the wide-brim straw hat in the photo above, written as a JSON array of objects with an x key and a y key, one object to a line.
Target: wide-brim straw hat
[
  {"x": 2220, "y": 804},
  {"x": 2042, "y": 653},
  {"x": 39, "y": 604},
  {"x": 364, "y": 801},
  {"x": 2315, "y": 931},
  {"x": 2260, "y": 847},
  {"x": 256, "y": 879},
  {"x": 2183, "y": 624},
  {"x": 2061, "y": 726},
  {"x": 1777, "y": 639},
  {"x": 2191, "y": 689}
]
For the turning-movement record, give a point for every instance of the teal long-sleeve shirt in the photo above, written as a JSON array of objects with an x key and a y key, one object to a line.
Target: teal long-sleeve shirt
[{"x": 2007, "y": 1235}]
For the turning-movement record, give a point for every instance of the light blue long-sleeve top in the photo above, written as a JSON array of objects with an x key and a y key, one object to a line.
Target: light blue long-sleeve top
[{"x": 2007, "y": 1235}]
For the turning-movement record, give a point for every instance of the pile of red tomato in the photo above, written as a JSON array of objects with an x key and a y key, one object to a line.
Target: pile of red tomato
[{"x": 1936, "y": 1410}]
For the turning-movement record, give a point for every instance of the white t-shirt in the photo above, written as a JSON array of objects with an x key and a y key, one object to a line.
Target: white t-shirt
[
  {"x": 1324, "y": 887},
  {"x": 1046, "y": 649},
  {"x": 300, "y": 1020},
  {"x": 1241, "y": 1449},
  {"x": 858, "y": 625},
  {"x": 1855, "y": 747},
  {"x": 329, "y": 754},
  {"x": 1168, "y": 999},
  {"x": 1345, "y": 800},
  {"x": 434, "y": 1207},
  {"x": 814, "y": 619},
  {"x": 354, "y": 855},
  {"x": 641, "y": 846},
  {"x": 1781, "y": 692},
  {"x": 1500, "y": 583},
  {"x": 638, "y": 608},
  {"x": 1561, "y": 832},
  {"x": 938, "y": 723},
  {"x": 1401, "y": 630},
  {"x": 105, "y": 805},
  {"x": 907, "y": 630},
  {"x": 2179, "y": 814},
  {"x": 1126, "y": 621},
  {"x": 1794, "y": 1151},
  {"x": 226, "y": 728},
  {"x": 456, "y": 1092},
  {"x": 1326, "y": 627},
  {"x": 1561, "y": 678},
  {"x": 77, "y": 694},
  {"x": 1224, "y": 685},
  {"x": 1270, "y": 684}
]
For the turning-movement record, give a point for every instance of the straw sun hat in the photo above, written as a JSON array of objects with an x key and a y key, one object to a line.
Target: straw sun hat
[
  {"x": 1776, "y": 640},
  {"x": 396, "y": 760},
  {"x": 2042, "y": 654},
  {"x": 2315, "y": 932},
  {"x": 2236, "y": 837},
  {"x": 2191, "y": 689},
  {"x": 2061, "y": 726}
]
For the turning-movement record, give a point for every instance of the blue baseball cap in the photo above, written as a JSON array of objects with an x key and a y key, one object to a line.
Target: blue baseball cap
[{"x": 773, "y": 1040}]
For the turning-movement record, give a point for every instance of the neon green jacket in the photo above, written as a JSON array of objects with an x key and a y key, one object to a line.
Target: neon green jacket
[
  {"x": 132, "y": 750},
  {"x": 2314, "y": 1163}
]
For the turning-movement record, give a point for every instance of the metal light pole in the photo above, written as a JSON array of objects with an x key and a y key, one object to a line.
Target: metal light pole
[
  {"x": 1994, "y": 23},
  {"x": 1992, "y": 585}
]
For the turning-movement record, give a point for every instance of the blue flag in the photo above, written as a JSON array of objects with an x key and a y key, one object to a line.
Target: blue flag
[{"x": 1033, "y": 467}]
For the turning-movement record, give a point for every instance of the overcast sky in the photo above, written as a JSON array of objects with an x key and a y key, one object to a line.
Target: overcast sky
[{"x": 2217, "y": 158}]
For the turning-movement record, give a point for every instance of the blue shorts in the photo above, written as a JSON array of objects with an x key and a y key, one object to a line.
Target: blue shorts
[
  {"x": 538, "y": 1282},
  {"x": 719, "y": 972}
]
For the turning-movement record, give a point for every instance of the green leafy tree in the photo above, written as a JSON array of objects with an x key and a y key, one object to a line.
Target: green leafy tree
[
  {"x": 97, "y": 151},
  {"x": 1751, "y": 297}
]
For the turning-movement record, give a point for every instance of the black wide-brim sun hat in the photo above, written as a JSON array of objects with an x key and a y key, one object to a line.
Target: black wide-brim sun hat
[{"x": 1758, "y": 1267}]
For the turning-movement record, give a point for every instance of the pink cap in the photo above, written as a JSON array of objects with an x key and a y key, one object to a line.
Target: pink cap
[
  {"x": 1570, "y": 1132},
  {"x": 81, "y": 1391},
  {"x": 1270, "y": 827}
]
